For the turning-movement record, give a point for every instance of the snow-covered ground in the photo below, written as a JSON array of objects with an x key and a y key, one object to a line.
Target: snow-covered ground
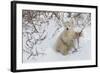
[{"x": 50, "y": 55}]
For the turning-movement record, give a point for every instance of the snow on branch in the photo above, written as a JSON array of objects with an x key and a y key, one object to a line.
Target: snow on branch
[{"x": 36, "y": 25}]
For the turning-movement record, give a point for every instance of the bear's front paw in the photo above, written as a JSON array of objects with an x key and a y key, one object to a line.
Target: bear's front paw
[{"x": 65, "y": 53}]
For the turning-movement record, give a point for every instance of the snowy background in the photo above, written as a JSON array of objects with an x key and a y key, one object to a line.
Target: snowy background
[{"x": 41, "y": 30}]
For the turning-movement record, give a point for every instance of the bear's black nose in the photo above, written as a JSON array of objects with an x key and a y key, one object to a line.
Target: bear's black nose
[{"x": 66, "y": 28}]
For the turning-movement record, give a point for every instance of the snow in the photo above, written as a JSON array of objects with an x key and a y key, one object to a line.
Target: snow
[
  {"x": 41, "y": 32},
  {"x": 47, "y": 47}
]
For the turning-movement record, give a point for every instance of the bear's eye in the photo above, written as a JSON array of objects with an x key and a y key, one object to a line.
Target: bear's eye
[{"x": 66, "y": 28}]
